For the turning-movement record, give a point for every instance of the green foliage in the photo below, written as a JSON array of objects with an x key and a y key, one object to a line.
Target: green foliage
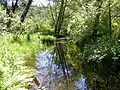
[
  {"x": 74, "y": 59},
  {"x": 101, "y": 63},
  {"x": 20, "y": 43},
  {"x": 97, "y": 56},
  {"x": 9, "y": 24},
  {"x": 48, "y": 40},
  {"x": 15, "y": 59}
]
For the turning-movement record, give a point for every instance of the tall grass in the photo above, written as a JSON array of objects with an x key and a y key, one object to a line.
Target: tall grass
[{"x": 17, "y": 60}]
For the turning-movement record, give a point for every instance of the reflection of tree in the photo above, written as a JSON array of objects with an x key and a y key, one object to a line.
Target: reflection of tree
[{"x": 61, "y": 50}]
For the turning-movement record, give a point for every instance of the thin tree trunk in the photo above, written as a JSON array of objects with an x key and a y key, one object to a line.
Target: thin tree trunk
[
  {"x": 63, "y": 63},
  {"x": 6, "y": 7},
  {"x": 60, "y": 18},
  {"x": 14, "y": 6},
  {"x": 61, "y": 60},
  {"x": 109, "y": 15},
  {"x": 66, "y": 66},
  {"x": 25, "y": 11},
  {"x": 58, "y": 26}
]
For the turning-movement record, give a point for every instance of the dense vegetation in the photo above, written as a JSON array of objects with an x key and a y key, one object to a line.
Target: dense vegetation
[{"x": 90, "y": 30}]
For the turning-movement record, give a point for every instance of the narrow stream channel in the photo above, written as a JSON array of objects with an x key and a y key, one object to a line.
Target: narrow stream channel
[{"x": 50, "y": 75}]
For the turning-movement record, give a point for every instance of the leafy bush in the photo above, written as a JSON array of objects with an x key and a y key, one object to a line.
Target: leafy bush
[{"x": 102, "y": 62}]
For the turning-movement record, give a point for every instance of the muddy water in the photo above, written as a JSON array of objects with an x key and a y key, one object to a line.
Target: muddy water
[{"x": 50, "y": 75}]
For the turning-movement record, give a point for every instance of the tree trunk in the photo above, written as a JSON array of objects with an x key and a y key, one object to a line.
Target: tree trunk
[
  {"x": 61, "y": 59},
  {"x": 14, "y": 6},
  {"x": 25, "y": 11},
  {"x": 60, "y": 18},
  {"x": 109, "y": 16},
  {"x": 6, "y": 7}
]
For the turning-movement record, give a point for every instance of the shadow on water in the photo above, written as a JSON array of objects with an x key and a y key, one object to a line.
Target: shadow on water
[{"x": 50, "y": 76}]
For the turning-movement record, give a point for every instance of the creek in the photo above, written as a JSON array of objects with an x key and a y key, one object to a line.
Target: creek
[{"x": 50, "y": 76}]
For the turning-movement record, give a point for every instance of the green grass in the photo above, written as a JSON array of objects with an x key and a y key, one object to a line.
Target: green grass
[{"x": 17, "y": 60}]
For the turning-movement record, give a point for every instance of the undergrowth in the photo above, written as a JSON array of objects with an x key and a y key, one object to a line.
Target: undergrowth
[{"x": 17, "y": 61}]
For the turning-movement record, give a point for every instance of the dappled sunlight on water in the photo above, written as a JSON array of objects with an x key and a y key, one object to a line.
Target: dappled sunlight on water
[{"x": 50, "y": 75}]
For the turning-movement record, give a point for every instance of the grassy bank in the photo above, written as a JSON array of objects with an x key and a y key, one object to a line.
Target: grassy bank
[{"x": 17, "y": 60}]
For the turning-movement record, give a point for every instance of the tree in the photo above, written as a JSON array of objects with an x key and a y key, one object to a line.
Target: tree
[
  {"x": 14, "y": 6},
  {"x": 26, "y": 10}
]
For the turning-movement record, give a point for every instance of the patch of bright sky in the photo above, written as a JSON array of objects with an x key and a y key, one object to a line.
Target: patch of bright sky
[
  {"x": 40, "y": 2},
  {"x": 35, "y": 2}
]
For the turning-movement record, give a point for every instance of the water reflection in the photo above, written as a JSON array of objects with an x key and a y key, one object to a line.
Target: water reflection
[
  {"x": 50, "y": 75},
  {"x": 80, "y": 84}
]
